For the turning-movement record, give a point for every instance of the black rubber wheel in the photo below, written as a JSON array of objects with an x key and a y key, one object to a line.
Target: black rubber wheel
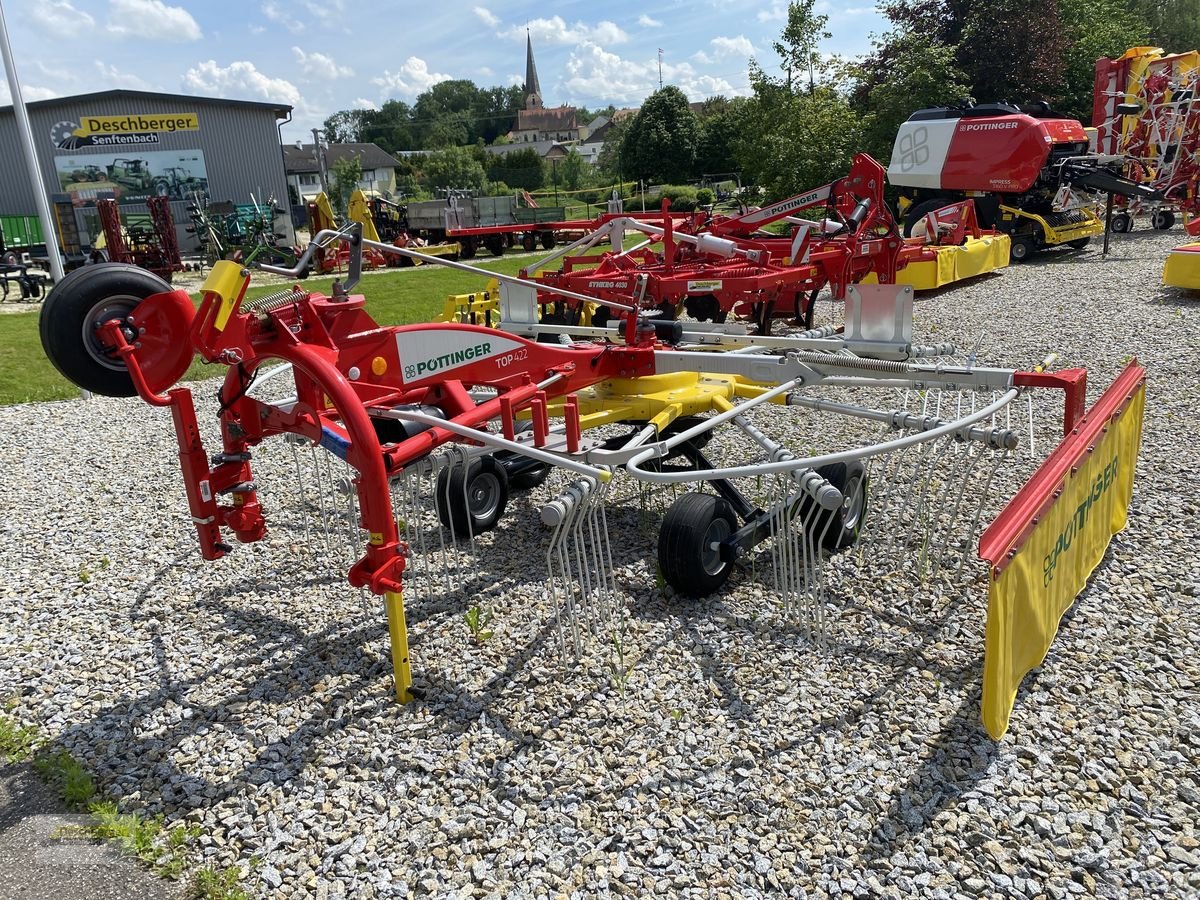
[
  {"x": 548, "y": 240},
  {"x": 1079, "y": 243},
  {"x": 1022, "y": 248},
  {"x": 495, "y": 244},
  {"x": 687, "y": 557},
  {"x": 71, "y": 317},
  {"x": 1162, "y": 219},
  {"x": 838, "y": 529},
  {"x": 920, "y": 210},
  {"x": 466, "y": 248},
  {"x": 529, "y": 242},
  {"x": 702, "y": 307},
  {"x": 471, "y": 499},
  {"x": 531, "y": 476},
  {"x": 1122, "y": 223}
]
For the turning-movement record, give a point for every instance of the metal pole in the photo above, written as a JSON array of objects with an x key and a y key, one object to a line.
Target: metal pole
[
  {"x": 35, "y": 175},
  {"x": 1108, "y": 213}
]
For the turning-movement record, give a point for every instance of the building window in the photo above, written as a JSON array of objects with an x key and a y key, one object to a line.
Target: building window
[{"x": 308, "y": 180}]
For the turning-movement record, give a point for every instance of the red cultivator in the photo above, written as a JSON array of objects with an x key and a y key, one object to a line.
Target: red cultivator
[
  {"x": 711, "y": 267},
  {"x": 435, "y": 424}
]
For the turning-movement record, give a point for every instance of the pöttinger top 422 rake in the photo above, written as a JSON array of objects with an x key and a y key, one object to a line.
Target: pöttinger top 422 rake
[{"x": 781, "y": 444}]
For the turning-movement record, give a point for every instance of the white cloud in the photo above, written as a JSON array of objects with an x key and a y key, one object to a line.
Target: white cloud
[
  {"x": 485, "y": 15},
  {"x": 556, "y": 31},
  {"x": 328, "y": 13},
  {"x": 239, "y": 79},
  {"x": 595, "y": 74},
  {"x": 30, "y": 92},
  {"x": 732, "y": 46},
  {"x": 60, "y": 18},
  {"x": 363, "y": 103},
  {"x": 413, "y": 78},
  {"x": 273, "y": 12},
  {"x": 776, "y": 12},
  {"x": 646, "y": 22},
  {"x": 318, "y": 65},
  {"x": 152, "y": 20},
  {"x": 113, "y": 77}
]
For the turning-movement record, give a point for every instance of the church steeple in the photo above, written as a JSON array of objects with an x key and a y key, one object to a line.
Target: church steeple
[{"x": 533, "y": 91}]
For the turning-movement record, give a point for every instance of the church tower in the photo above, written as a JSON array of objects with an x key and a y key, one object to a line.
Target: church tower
[{"x": 533, "y": 90}]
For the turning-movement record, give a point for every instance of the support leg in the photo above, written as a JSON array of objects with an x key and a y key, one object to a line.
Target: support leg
[{"x": 398, "y": 631}]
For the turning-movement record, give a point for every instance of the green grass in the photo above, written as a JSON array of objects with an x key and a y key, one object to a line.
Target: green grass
[
  {"x": 394, "y": 297},
  {"x": 160, "y": 848}
]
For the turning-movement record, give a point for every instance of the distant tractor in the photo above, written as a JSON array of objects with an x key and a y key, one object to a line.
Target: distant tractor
[
  {"x": 88, "y": 173},
  {"x": 134, "y": 175},
  {"x": 179, "y": 183}
]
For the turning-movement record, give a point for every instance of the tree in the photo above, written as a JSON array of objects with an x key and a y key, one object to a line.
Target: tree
[
  {"x": 721, "y": 128},
  {"x": 660, "y": 143},
  {"x": 1173, "y": 25},
  {"x": 797, "y": 46},
  {"x": 1094, "y": 28},
  {"x": 454, "y": 167},
  {"x": 345, "y": 126},
  {"x": 518, "y": 168},
  {"x": 347, "y": 173},
  {"x": 573, "y": 171},
  {"x": 919, "y": 74},
  {"x": 793, "y": 144},
  {"x": 609, "y": 163}
]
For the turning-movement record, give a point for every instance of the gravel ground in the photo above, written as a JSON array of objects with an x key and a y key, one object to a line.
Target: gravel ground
[{"x": 718, "y": 754}]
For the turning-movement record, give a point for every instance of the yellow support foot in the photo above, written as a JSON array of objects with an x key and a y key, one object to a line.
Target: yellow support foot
[{"x": 398, "y": 631}]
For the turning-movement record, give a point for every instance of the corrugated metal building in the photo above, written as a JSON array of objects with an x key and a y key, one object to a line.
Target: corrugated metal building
[{"x": 136, "y": 144}]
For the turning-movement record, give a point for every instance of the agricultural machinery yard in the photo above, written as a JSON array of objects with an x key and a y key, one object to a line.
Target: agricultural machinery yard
[{"x": 696, "y": 747}]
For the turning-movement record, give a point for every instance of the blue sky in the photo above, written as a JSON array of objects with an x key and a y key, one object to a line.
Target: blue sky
[{"x": 324, "y": 55}]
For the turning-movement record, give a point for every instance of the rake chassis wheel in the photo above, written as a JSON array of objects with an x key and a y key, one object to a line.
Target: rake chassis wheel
[
  {"x": 72, "y": 316},
  {"x": 471, "y": 499},
  {"x": 689, "y": 543}
]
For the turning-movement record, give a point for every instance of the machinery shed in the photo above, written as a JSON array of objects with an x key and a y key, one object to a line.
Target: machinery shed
[{"x": 137, "y": 144}]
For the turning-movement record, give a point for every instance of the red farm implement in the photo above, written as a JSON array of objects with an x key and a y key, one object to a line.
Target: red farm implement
[
  {"x": 154, "y": 248},
  {"x": 713, "y": 267},
  {"x": 781, "y": 445}
]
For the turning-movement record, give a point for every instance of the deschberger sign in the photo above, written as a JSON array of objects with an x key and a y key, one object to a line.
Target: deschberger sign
[{"x": 110, "y": 131}]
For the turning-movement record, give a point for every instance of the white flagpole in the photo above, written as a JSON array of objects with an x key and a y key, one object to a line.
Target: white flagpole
[{"x": 49, "y": 232}]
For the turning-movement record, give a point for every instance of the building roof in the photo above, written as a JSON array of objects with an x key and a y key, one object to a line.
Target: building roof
[
  {"x": 281, "y": 110},
  {"x": 300, "y": 159},
  {"x": 543, "y": 148},
  {"x": 557, "y": 118}
]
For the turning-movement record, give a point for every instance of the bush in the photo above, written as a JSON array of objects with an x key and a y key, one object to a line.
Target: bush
[
  {"x": 705, "y": 197},
  {"x": 682, "y": 197}
]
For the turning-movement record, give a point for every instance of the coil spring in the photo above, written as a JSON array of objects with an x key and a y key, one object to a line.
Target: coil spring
[{"x": 275, "y": 301}]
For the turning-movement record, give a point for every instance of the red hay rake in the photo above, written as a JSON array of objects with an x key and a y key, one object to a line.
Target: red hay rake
[{"x": 412, "y": 437}]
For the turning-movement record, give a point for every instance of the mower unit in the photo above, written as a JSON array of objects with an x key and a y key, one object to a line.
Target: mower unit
[{"x": 412, "y": 438}]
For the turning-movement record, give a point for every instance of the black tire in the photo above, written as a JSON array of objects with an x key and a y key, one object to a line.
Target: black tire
[
  {"x": 495, "y": 244},
  {"x": 471, "y": 499},
  {"x": 702, "y": 307},
  {"x": 467, "y": 248},
  {"x": 529, "y": 242},
  {"x": 532, "y": 476},
  {"x": 686, "y": 556},
  {"x": 839, "y": 529},
  {"x": 162, "y": 189},
  {"x": 74, "y": 310},
  {"x": 1162, "y": 220},
  {"x": 548, "y": 240},
  {"x": 920, "y": 210},
  {"x": 1122, "y": 223},
  {"x": 1079, "y": 243},
  {"x": 1022, "y": 248}
]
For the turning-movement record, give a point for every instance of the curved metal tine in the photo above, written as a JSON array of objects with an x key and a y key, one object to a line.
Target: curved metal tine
[
  {"x": 562, "y": 544},
  {"x": 302, "y": 485},
  {"x": 321, "y": 509},
  {"x": 974, "y": 454},
  {"x": 998, "y": 459},
  {"x": 920, "y": 486},
  {"x": 597, "y": 523},
  {"x": 559, "y": 586}
]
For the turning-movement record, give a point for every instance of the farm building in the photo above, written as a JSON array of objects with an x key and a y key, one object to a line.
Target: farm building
[
  {"x": 304, "y": 171},
  {"x": 134, "y": 144}
]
